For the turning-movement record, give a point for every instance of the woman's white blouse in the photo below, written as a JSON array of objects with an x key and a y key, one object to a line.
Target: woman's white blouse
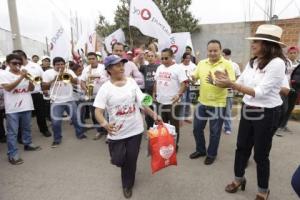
[{"x": 266, "y": 83}]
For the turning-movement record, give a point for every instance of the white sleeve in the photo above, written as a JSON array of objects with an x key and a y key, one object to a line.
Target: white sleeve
[
  {"x": 240, "y": 80},
  {"x": 3, "y": 77},
  {"x": 273, "y": 74},
  {"x": 285, "y": 82},
  {"x": 181, "y": 75},
  {"x": 72, "y": 73},
  {"x": 236, "y": 69},
  {"x": 101, "y": 97},
  {"x": 46, "y": 76},
  {"x": 83, "y": 76},
  {"x": 139, "y": 94},
  {"x": 156, "y": 73}
]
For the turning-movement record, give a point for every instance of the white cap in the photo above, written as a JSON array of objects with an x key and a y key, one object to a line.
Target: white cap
[{"x": 45, "y": 57}]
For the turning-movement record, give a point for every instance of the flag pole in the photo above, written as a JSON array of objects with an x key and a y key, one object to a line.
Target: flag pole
[{"x": 130, "y": 35}]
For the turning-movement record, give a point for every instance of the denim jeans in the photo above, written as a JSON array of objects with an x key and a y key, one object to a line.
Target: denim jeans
[
  {"x": 215, "y": 117},
  {"x": 256, "y": 129},
  {"x": 13, "y": 121},
  {"x": 227, "y": 119},
  {"x": 186, "y": 107},
  {"x": 57, "y": 110}
]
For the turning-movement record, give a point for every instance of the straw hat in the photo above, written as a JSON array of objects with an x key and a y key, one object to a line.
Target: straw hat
[{"x": 268, "y": 32}]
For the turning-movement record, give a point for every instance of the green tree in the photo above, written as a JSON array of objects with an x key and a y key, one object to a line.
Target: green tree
[{"x": 175, "y": 12}]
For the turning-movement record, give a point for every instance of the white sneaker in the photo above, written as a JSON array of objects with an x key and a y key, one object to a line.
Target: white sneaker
[{"x": 228, "y": 132}]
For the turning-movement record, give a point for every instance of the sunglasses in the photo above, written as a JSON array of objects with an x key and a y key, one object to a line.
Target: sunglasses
[
  {"x": 164, "y": 58},
  {"x": 15, "y": 63}
]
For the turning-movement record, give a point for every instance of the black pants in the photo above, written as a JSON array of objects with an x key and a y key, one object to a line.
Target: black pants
[
  {"x": 289, "y": 104},
  {"x": 256, "y": 130},
  {"x": 40, "y": 110},
  {"x": 296, "y": 181},
  {"x": 170, "y": 114},
  {"x": 124, "y": 153},
  {"x": 2, "y": 129},
  {"x": 149, "y": 120}
]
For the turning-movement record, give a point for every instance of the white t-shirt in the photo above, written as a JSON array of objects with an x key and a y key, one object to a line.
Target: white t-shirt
[
  {"x": 35, "y": 70},
  {"x": 266, "y": 83},
  {"x": 168, "y": 80},
  {"x": 19, "y": 99},
  {"x": 122, "y": 105},
  {"x": 99, "y": 76},
  {"x": 188, "y": 68},
  {"x": 63, "y": 92},
  {"x": 236, "y": 69}
]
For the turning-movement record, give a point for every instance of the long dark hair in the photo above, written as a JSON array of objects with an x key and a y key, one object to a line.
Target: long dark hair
[{"x": 270, "y": 50}]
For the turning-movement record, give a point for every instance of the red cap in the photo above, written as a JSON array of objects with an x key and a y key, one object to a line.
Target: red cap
[{"x": 295, "y": 48}]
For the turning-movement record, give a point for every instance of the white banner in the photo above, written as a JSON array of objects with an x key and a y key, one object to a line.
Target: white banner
[
  {"x": 177, "y": 42},
  {"x": 146, "y": 16},
  {"x": 117, "y": 36},
  {"x": 60, "y": 38}
]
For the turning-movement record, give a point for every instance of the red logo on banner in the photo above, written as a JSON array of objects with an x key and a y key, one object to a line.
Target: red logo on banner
[
  {"x": 145, "y": 14},
  {"x": 174, "y": 48},
  {"x": 51, "y": 46},
  {"x": 113, "y": 41},
  {"x": 91, "y": 39}
]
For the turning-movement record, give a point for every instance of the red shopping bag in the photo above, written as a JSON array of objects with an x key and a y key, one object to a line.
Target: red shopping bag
[{"x": 163, "y": 149}]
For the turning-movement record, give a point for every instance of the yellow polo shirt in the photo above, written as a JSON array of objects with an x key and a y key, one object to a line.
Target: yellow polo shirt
[{"x": 211, "y": 95}]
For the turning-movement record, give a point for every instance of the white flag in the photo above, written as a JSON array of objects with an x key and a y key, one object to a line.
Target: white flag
[
  {"x": 177, "y": 42},
  {"x": 117, "y": 36},
  {"x": 146, "y": 16},
  {"x": 60, "y": 38}
]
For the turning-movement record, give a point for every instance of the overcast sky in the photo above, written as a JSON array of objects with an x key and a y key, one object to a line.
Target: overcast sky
[{"x": 35, "y": 15}]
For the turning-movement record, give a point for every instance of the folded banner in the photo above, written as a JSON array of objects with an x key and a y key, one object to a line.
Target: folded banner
[
  {"x": 177, "y": 42},
  {"x": 146, "y": 16},
  {"x": 60, "y": 38},
  {"x": 117, "y": 36}
]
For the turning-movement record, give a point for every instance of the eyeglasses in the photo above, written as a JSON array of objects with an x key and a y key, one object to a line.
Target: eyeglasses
[
  {"x": 164, "y": 58},
  {"x": 15, "y": 63}
]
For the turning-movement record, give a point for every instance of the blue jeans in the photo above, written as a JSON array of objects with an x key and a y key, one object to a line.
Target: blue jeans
[
  {"x": 215, "y": 116},
  {"x": 186, "y": 108},
  {"x": 13, "y": 120},
  {"x": 227, "y": 120},
  {"x": 57, "y": 110}
]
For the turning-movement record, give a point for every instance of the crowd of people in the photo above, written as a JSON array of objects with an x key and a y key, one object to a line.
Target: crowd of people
[{"x": 112, "y": 90}]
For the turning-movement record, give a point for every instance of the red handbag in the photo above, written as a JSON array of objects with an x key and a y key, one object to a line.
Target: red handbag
[{"x": 162, "y": 148}]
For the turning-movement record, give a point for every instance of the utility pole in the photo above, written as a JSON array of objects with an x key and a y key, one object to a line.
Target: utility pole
[{"x": 14, "y": 24}]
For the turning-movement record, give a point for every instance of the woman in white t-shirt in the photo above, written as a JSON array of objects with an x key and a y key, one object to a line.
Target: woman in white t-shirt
[
  {"x": 18, "y": 106},
  {"x": 121, "y": 97},
  {"x": 188, "y": 66},
  {"x": 261, "y": 82}
]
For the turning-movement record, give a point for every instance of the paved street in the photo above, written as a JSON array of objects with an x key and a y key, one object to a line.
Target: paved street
[{"x": 80, "y": 170}]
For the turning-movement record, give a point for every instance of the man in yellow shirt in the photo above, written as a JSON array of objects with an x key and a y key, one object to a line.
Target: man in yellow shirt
[{"x": 212, "y": 102}]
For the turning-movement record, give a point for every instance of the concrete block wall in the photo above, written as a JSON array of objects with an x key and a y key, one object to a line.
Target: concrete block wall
[{"x": 232, "y": 36}]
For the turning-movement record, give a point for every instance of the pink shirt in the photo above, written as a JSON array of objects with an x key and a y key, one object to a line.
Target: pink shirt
[{"x": 132, "y": 71}]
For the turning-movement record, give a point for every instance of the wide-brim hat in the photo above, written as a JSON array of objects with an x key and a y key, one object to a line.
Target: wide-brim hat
[
  {"x": 112, "y": 60},
  {"x": 268, "y": 32}
]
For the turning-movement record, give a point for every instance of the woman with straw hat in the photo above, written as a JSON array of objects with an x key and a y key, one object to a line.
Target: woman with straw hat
[{"x": 261, "y": 83}]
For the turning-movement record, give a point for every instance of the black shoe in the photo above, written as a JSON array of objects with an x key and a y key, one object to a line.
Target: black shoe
[
  {"x": 82, "y": 137},
  {"x": 32, "y": 148},
  {"x": 55, "y": 144},
  {"x": 209, "y": 160},
  {"x": 3, "y": 139},
  {"x": 127, "y": 192},
  {"x": 177, "y": 147},
  {"x": 197, "y": 155},
  {"x": 47, "y": 133},
  {"x": 15, "y": 161}
]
